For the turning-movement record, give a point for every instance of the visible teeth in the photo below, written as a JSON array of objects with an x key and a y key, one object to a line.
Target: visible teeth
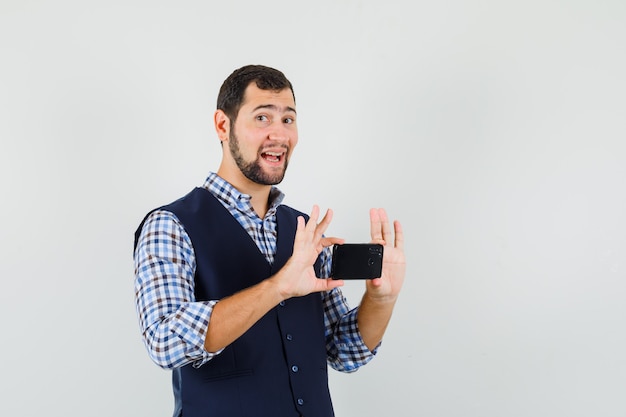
[{"x": 274, "y": 153}]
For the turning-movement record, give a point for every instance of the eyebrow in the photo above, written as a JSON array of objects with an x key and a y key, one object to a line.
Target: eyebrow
[{"x": 274, "y": 107}]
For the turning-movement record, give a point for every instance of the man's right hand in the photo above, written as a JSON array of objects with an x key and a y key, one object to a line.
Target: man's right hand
[{"x": 297, "y": 277}]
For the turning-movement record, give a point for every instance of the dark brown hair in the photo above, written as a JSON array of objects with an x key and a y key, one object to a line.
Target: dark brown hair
[{"x": 232, "y": 92}]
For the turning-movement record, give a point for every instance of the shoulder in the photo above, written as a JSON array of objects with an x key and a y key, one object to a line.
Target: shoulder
[
  {"x": 160, "y": 218},
  {"x": 158, "y": 222},
  {"x": 291, "y": 212}
]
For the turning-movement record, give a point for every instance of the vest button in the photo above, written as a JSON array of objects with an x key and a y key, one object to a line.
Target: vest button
[
  {"x": 300, "y": 401},
  {"x": 294, "y": 368},
  {"x": 289, "y": 337},
  {"x": 282, "y": 303}
]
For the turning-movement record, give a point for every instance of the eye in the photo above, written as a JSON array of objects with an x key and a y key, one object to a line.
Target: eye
[
  {"x": 289, "y": 120},
  {"x": 262, "y": 118}
]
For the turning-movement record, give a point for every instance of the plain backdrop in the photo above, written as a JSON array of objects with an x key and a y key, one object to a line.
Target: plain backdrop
[{"x": 494, "y": 130}]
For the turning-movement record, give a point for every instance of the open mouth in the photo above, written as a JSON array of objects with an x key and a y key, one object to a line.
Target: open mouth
[{"x": 273, "y": 156}]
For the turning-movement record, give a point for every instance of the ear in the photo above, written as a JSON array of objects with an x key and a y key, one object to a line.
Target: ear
[{"x": 222, "y": 125}]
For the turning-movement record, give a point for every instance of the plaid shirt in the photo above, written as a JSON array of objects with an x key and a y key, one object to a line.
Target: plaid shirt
[{"x": 173, "y": 323}]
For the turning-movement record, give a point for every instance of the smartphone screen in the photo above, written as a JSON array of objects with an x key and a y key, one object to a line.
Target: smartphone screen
[{"x": 357, "y": 261}]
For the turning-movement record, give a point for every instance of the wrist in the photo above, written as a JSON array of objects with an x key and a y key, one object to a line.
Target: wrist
[
  {"x": 275, "y": 285},
  {"x": 382, "y": 300},
  {"x": 271, "y": 286}
]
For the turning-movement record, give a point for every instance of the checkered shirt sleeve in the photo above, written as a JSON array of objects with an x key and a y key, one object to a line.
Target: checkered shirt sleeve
[
  {"x": 172, "y": 323},
  {"x": 346, "y": 351}
]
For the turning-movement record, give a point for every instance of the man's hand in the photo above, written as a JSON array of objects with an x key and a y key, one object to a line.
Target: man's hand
[
  {"x": 234, "y": 315},
  {"x": 297, "y": 277},
  {"x": 387, "y": 287},
  {"x": 381, "y": 293}
]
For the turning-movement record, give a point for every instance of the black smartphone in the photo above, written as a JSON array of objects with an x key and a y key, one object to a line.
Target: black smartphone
[{"x": 357, "y": 261}]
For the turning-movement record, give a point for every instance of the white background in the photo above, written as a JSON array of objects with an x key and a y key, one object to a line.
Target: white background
[{"x": 494, "y": 130}]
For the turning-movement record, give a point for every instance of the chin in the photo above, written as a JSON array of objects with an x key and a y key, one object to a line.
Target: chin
[{"x": 274, "y": 180}]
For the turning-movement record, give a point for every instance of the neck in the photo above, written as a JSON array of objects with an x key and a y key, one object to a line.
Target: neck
[
  {"x": 259, "y": 193},
  {"x": 260, "y": 197}
]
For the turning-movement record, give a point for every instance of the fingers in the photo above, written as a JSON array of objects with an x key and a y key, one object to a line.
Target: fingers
[
  {"x": 312, "y": 223},
  {"x": 329, "y": 241},
  {"x": 399, "y": 242},
  {"x": 376, "y": 231},
  {"x": 386, "y": 229},
  {"x": 323, "y": 225},
  {"x": 381, "y": 231},
  {"x": 379, "y": 225},
  {"x": 329, "y": 283},
  {"x": 307, "y": 227},
  {"x": 317, "y": 229},
  {"x": 301, "y": 224},
  {"x": 313, "y": 230}
]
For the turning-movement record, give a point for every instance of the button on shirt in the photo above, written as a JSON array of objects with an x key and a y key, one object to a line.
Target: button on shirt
[{"x": 173, "y": 323}]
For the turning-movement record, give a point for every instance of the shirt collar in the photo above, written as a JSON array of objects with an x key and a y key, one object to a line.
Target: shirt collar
[{"x": 229, "y": 196}]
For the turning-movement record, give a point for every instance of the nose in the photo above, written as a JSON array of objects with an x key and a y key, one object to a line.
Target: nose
[{"x": 281, "y": 133}]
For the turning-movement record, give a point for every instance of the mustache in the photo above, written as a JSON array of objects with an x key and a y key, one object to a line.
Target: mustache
[{"x": 270, "y": 147}]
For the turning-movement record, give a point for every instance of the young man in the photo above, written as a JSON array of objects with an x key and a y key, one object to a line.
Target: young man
[{"x": 226, "y": 278}]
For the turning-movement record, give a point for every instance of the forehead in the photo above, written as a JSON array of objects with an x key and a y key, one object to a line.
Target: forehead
[{"x": 255, "y": 97}]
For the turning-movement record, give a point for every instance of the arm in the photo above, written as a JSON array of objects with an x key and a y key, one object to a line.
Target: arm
[
  {"x": 345, "y": 348},
  {"x": 176, "y": 329},
  {"x": 232, "y": 316},
  {"x": 381, "y": 293},
  {"x": 172, "y": 323},
  {"x": 346, "y": 351}
]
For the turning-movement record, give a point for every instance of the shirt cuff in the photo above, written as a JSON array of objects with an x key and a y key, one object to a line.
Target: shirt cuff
[
  {"x": 351, "y": 350},
  {"x": 189, "y": 325}
]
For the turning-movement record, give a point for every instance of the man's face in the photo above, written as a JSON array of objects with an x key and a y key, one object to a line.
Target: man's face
[{"x": 264, "y": 134}]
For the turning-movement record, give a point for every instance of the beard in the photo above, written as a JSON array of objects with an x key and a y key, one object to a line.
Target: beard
[{"x": 253, "y": 169}]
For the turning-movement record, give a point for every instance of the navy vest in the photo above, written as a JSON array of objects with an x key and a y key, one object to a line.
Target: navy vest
[{"x": 278, "y": 367}]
